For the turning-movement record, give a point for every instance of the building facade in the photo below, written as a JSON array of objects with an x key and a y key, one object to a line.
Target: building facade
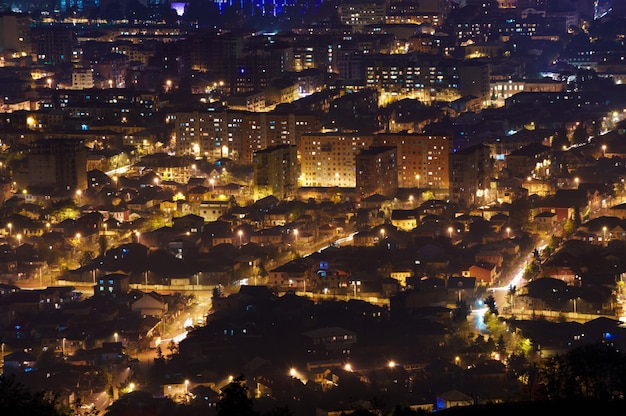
[
  {"x": 276, "y": 172},
  {"x": 423, "y": 160},
  {"x": 377, "y": 171},
  {"x": 58, "y": 164},
  {"x": 329, "y": 159}
]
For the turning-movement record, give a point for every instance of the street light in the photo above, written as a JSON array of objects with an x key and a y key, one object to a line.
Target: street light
[
  {"x": 19, "y": 239},
  {"x": 240, "y": 232},
  {"x": 382, "y": 233},
  {"x": 115, "y": 336},
  {"x": 417, "y": 177},
  {"x": 10, "y": 228},
  {"x": 450, "y": 229},
  {"x": 212, "y": 182},
  {"x": 78, "y": 196},
  {"x": 604, "y": 150},
  {"x": 603, "y": 234},
  {"x": 508, "y": 232}
]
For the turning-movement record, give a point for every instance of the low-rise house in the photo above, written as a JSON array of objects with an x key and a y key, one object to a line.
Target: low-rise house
[
  {"x": 112, "y": 285},
  {"x": 405, "y": 220},
  {"x": 545, "y": 220},
  {"x": 150, "y": 304},
  {"x": 485, "y": 273},
  {"x": 19, "y": 361},
  {"x": 330, "y": 342},
  {"x": 461, "y": 288},
  {"x": 485, "y": 256},
  {"x": 268, "y": 236},
  {"x": 213, "y": 210},
  {"x": 293, "y": 275},
  {"x": 453, "y": 398}
]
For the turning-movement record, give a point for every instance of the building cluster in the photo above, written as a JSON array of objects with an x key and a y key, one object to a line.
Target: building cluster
[{"x": 394, "y": 161}]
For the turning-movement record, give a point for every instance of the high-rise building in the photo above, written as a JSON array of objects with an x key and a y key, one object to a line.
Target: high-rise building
[
  {"x": 276, "y": 172},
  {"x": 57, "y": 164},
  {"x": 377, "y": 171},
  {"x": 423, "y": 160},
  {"x": 53, "y": 44},
  {"x": 260, "y": 64},
  {"x": 360, "y": 13},
  {"x": 329, "y": 159},
  {"x": 15, "y": 32},
  {"x": 470, "y": 176},
  {"x": 237, "y": 134}
]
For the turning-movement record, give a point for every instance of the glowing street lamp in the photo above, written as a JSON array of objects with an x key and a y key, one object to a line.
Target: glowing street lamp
[
  {"x": 450, "y": 229},
  {"x": 417, "y": 178},
  {"x": 78, "y": 196},
  {"x": 240, "y": 232},
  {"x": 508, "y": 232},
  {"x": 382, "y": 233},
  {"x": 604, "y": 150},
  {"x": 115, "y": 336},
  {"x": 212, "y": 182},
  {"x": 19, "y": 239},
  {"x": 604, "y": 233},
  {"x": 10, "y": 228}
]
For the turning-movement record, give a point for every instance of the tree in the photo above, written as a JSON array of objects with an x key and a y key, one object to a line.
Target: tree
[
  {"x": 460, "y": 313},
  {"x": 512, "y": 293},
  {"x": 569, "y": 228},
  {"x": 490, "y": 301},
  {"x": 234, "y": 400},
  {"x": 531, "y": 270},
  {"x": 86, "y": 258},
  {"x": 17, "y": 400}
]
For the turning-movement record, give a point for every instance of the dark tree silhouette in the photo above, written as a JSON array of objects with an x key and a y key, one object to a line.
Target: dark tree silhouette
[
  {"x": 17, "y": 400},
  {"x": 490, "y": 301},
  {"x": 234, "y": 400}
]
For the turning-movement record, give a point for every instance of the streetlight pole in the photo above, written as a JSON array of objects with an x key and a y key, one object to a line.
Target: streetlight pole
[{"x": 240, "y": 232}]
